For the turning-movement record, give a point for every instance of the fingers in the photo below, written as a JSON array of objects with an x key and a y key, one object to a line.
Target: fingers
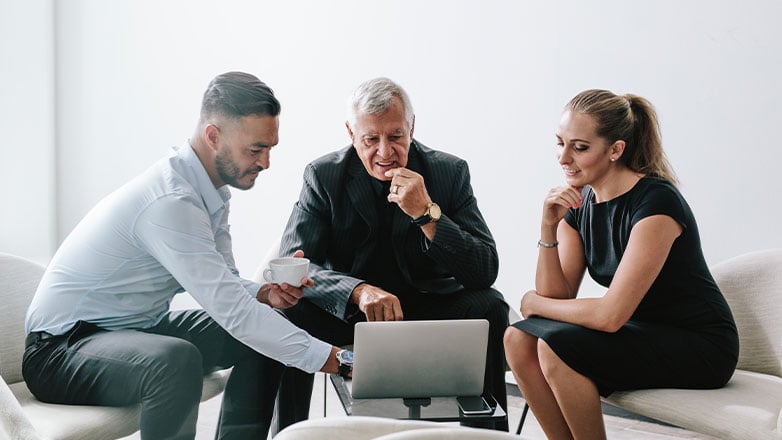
[
  {"x": 299, "y": 253},
  {"x": 379, "y": 305},
  {"x": 401, "y": 173},
  {"x": 566, "y": 196},
  {"x": 395, "y": 312},
  {"x": 384, "y": 311},
  {"x": 573, "y": 196},
  {"x": 558, "y": 201},
  {"x": 284, "y": 295},
  {"x": 263, "y": 293},
  {"x": 408, "y": 191},
  {"x": 404, "y": 182}
]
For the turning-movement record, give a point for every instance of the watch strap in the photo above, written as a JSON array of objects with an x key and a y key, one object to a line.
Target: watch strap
[
  {"x": 344, "y": 368},
  {"x": 420, "y": 221},
  {"x": 426, "y": 218}
]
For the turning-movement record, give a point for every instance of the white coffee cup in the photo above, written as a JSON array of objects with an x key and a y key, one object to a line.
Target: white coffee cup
[{"x": 287, "y": 270}]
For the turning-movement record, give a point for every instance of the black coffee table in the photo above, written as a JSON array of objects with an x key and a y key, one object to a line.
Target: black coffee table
[{"x": 438, "y": 409}]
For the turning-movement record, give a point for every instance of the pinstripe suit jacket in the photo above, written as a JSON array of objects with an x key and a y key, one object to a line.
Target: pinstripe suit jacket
[{"x": 335, "y": 223}]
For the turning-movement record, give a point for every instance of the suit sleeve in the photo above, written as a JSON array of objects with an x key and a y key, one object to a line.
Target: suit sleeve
[
  {"x": 309, "y": 229},
  {"x": 463, "y": 242}
]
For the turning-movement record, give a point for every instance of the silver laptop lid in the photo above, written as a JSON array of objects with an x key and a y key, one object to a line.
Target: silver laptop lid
[{"x": 419, "y": 358}]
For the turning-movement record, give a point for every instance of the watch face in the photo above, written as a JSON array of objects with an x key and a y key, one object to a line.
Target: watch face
[
  {"x": 345, "y": 357},
  {"x": 435, "y": 212}
]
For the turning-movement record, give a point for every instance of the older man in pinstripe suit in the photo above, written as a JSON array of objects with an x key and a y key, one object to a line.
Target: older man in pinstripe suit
[{"x": 394, "y": 232}]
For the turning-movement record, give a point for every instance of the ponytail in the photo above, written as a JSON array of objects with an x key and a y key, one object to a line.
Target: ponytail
[{"x": 646, "y": 154}]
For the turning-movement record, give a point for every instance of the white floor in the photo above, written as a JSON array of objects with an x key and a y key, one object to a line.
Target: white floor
[{"x": 618, "y": 428}]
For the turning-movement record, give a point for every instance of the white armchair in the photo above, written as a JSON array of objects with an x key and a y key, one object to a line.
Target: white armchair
[
  {"x": 22, "y": 417},
  {"x": 750, "y": 405}
]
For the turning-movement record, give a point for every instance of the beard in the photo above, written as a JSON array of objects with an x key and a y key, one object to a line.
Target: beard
[{"x": 230, "y": 173}]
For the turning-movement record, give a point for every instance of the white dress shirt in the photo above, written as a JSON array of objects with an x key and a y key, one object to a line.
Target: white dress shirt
[{"x": 162, "y": 233}]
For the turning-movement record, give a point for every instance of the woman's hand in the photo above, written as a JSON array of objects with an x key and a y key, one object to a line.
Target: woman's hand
[
  {"x": 558, "y": 201},
  {"x": 526, "y": 301}
]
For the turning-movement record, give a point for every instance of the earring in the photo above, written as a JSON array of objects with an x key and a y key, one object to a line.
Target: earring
[{"x": 613, "y": 159}]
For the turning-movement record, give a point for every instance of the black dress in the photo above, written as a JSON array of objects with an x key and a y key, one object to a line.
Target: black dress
[{"x": 682, "y": 335}]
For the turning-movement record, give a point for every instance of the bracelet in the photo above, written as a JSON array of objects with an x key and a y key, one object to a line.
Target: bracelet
[{"x": 545, "y": 244}]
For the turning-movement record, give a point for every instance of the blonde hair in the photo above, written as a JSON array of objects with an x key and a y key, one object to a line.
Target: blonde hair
[{"x": 632, "y": 119}]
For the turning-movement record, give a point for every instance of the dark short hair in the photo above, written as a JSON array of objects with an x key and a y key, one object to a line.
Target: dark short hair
[{"x": 238, "y": 94}]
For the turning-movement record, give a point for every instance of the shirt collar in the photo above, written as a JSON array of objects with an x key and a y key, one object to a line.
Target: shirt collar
[{"x": 214, "y": 198}]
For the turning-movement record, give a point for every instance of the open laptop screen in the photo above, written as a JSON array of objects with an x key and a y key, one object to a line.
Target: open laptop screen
[{"x": 419, "y": 358}]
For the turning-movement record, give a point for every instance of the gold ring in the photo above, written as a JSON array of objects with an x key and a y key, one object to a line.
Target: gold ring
[{"x": 395, "y": 189}]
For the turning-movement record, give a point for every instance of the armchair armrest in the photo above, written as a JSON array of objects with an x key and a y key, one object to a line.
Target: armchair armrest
[{"x": 13, "y": 422}]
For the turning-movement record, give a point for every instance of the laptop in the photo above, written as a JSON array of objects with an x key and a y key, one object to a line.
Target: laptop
[{"x": 414, "y": 359}]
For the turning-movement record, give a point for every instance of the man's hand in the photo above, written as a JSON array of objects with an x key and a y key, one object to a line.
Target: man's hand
[
  {"x": 282, "y": 296},
  {"x": 408, "y": 191},
  {"x": 376, "y": 303}
]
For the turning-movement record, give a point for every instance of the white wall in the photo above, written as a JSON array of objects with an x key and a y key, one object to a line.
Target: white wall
[
  {"x": 27, "y": 155},
  {"x": 488, "y": 80}
]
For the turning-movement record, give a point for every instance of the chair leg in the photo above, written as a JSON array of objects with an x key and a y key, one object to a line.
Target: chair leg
[
  {"x": 325, "y": 391},
  {"x": 523, "y": 416}
]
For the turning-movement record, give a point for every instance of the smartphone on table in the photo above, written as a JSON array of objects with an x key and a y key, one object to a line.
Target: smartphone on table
[{"x": 473, "y": 405}]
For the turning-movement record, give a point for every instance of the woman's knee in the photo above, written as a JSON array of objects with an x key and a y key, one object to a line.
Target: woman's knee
[{"x": 520, "y": 348}]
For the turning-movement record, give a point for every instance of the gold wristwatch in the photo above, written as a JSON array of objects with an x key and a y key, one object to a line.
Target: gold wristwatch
[{"x": 432, "y": 214}]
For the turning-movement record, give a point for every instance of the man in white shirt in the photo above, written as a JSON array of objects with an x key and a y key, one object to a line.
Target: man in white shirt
[{"x": 99, "y": 327}]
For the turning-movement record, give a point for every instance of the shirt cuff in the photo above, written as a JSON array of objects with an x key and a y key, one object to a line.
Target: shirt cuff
[
  {"x": 316, "y": 356},
  {"x": 251, "y": 287}
]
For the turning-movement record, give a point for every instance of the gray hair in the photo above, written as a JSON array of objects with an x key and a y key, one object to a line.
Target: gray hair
[{"x": 373, "y": 97}]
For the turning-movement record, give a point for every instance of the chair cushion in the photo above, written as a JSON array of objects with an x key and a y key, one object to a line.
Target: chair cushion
[
  {"x": 747, "y": 408},
  {"x": 13, "y": 421},
  {"x": 77, "y": 421}
]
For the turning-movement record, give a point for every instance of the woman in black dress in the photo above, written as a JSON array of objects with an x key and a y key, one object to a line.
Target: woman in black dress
[{"x": 662, "y": 323}]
